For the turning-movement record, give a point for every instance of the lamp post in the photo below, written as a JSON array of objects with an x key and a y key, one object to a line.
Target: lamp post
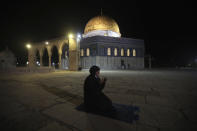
[
  {"x": 28, "y": 46},
  {"x": 78, "y": 49}
]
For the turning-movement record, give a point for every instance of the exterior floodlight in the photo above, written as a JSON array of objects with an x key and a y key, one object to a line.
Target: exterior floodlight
[
  {"x": 27, "y": 62},
  {"x": 70, "y": 35},
  {"x": 79, "y": 36},
  {"x": 46, "y": 43},
  {"x": 28, "y": 46}
]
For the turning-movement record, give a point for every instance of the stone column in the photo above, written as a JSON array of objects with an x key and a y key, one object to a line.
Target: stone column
[
  {"x": 60, "y": 61},
  {"x": 73, "y": 55},
  {"x": 41, "y": 60},
  {"x": 31, "y": 59},
  {"x": 49, "y": 60}
]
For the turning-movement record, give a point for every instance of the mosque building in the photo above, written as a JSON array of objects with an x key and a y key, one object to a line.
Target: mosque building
[{"x": 101, "y": 45}]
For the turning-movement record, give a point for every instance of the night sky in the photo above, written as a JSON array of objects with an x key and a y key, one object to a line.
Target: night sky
[{"x": 168, "y": 29}]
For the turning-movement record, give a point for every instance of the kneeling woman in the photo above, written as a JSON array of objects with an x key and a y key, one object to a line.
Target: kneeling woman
[{"x": 94, "y": 98}]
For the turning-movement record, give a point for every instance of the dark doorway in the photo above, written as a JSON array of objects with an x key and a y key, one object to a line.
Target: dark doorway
[
  {"x": 37, "y": 58},
  {"x": 65, "y": 57},
  {"x": 45, "y": 58},
  {"x": 123, "y": 66},
  {"x": 55, "y": 57}
]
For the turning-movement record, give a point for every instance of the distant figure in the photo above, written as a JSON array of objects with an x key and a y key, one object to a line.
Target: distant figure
[
  {"x": 128, "y": 66},
  {"x": 94, "y": 98}
]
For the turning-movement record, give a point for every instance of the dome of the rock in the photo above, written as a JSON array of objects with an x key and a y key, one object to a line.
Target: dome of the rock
[{"x": 102, "y": 26}]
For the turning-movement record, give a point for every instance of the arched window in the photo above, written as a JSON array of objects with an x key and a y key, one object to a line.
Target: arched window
[
  {"x": 115, "y": 52},
  {"x": 108, "y": 51},
  {"x": 82, "y": 52},
  {"x": 128, "y": 52},
  {"x": 134, "y": 52},
  {"x": 88, "y": 52},
  {"x": 122, "y": 52}
]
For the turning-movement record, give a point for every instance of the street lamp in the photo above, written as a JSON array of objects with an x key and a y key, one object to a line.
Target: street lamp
[
  {"x": 28, "y": 46},
  {"x": 79, "y": 36},
  {"x": 46, "y": 43},
  {"x": 70, "y": 36}
]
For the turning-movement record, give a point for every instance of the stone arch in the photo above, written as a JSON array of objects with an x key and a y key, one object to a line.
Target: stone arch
[
  {"x": 65, "y": 56},
  {"x": 37, "y": 55},
  {"x": 45, "y": 57},
  {"x": 55, "y": 56}
]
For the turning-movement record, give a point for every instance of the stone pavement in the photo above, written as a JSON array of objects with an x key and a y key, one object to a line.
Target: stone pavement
[{"x": 47, "y": 101}]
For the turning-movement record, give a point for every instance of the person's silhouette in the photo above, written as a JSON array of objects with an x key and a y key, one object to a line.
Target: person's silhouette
[{"x": 94, "y": 98}]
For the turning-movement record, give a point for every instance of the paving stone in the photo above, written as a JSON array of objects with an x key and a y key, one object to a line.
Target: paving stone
[
  {"x": 10, "y": 108},
  {"x": 65, "y": 113},
  {"x": 139, "y": 99},
  {"x": 163, "y": 101},
  {"x": 147, "y": 116},
  {"x": 167, "y": 100},
  {"x": 166, "y": 117},
  {"x": 99, "y": 123},
  {"x": 54, "y": 126},
  {"x": 141, "y": 127},
  {"x": 191, "y": 114},
  {"x": 121, "y": 99},
  {"x": 26, "y": 121}
]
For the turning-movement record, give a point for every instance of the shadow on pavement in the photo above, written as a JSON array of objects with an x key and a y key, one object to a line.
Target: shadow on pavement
[{"x": 125, "y": 113}]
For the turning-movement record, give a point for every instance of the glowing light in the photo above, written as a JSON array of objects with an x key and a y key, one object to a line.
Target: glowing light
[
  {"x": 134, "y": 52},
  {"x": 70, "y": 36},
  {"x": 28, "y": 46},
  {"x": 115, "y": 52},
  {"x": 128, "y": 52},
  {"x": 27, "y": 62},
  {"x": 87, "y": 52},
  {"x": 79, "y": 36},
  {"x": 122, "y": 52},
  {"x": 46, "y": 43},
  {"x": 108, "y": 51}
]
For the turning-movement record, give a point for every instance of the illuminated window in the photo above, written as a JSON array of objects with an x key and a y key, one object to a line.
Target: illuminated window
[
  {"x": 108, "y": 51},
  {"x": 82, "y": 52},
  {"x": 134, "y": 52},
  {"x": 88, "y": 52},
  {"x": 122, "y": 52},
  {"x": 115, "y": 52},
  {"x": 128, "y": 52}
]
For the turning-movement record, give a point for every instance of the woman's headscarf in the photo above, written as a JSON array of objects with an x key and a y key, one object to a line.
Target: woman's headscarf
[{"x": 94, "y": 69}]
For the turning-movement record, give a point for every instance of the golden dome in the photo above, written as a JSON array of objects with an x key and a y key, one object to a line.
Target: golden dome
[{"x": 101, "y": 23}]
